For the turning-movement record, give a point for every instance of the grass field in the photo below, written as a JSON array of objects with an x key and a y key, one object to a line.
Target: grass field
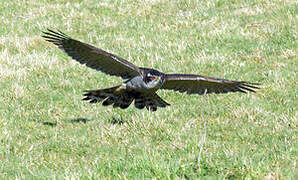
[{"x": 47, "y": 132}]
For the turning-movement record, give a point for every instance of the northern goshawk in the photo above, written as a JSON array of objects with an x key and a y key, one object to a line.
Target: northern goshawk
[{"x": 141, "y": 83}]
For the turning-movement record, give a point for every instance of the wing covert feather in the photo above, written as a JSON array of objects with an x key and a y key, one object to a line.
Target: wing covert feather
[
  {"x": 196, "y": 84},
  {"x": 91, "y": 56}
]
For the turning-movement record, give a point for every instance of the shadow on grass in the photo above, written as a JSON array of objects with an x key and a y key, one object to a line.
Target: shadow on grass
[
  {"x": 77, "y": 120},
  {"x": 112, "y": 120},
  {"x": 80, "y": 120},
  {"x": 115, "y": 120},
  {"x": 52, "y": 124}
]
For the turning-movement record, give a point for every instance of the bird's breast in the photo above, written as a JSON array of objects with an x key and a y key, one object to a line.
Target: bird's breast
[{"x": 137, "y": 83}]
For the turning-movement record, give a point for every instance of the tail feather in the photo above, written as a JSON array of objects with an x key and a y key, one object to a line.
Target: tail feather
[
  {"x": 123, "y": 99},
  {"x": 151, "y": 102},
  {"x": 108, "y": 101},
  {"x": 109, "y": 96},
  {"x": 140, "y": 103},
  {"x": 160, "y": 102},
  {"x": 99, "y": 95}
]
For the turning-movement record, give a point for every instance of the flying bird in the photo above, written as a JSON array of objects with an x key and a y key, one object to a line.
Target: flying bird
[{"x": 140, "y": 83}]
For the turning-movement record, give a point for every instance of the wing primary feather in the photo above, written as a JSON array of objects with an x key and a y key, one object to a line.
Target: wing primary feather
[
  {"x": 58, "y": 33},
  {"x": 54, "y": 41},
  {"x": 196, "y": 84},
  {"x": 239, "y": 90},
  {"x": 245, "y": 88},
  {"x": 251, "y": 85},
  {"x": 47, "y": 38},
  {"x": 63, "y": 34},
  {"x": 55, "y": 35}
]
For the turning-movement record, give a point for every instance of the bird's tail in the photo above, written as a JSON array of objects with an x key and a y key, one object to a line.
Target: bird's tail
[
  {"x": 150, "y": 101},
  {"x": 121, "y": 98},
  {"x": 109, "y": 96}
]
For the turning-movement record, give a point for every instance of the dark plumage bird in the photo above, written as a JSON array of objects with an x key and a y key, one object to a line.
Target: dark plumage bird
[{"x": 141, "y": 83}]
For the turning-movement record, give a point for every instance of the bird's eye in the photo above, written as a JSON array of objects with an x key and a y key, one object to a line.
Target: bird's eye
[{"x": 153, "y": 78}]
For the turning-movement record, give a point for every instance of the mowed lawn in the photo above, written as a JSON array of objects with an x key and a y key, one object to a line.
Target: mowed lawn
[{"x": 47, "y": 132}]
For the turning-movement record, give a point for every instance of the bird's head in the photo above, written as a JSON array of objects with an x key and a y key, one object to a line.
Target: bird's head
[{"x": 153, "y": 81}]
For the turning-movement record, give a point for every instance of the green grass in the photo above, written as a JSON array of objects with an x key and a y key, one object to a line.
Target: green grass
[{"x": 46, "y": 131}]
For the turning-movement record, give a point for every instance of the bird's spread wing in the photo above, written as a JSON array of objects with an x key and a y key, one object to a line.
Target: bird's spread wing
[
  {"x": 196, "y": 84},
  {"x": 91, "y": 56}
]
